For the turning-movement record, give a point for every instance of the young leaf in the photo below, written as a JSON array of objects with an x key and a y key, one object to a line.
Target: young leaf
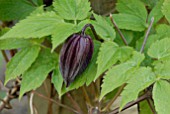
[
  {"x": 166, "y": 9},
  {"x": 57, "y": 80},
  {"x": 21, "y": 62},
  {"x": 133, "y": 7},
  {"x": 160, "y": 49},
  {"x": 161, "y": 93},
  {"x": 37, "y": 73},
  {"x": 103, "y": 28},
  {"x": 141, "y": 78},
  {"x": 109, "y": 54},
  {"x": 89, "y": 74},
  {"x": 61, "y": 33},
  {"x": 129, "y": 22},
  {"x": 72, "y": 9},
  {"x": 156, "y": 12},
  {"x": 15, "y": 9},
  {"x": 118, "y": 75},
  {"x": 34, "y": 26}
]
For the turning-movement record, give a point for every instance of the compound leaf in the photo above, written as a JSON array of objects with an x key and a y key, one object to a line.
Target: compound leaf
[{"x": 141, "y": 78}]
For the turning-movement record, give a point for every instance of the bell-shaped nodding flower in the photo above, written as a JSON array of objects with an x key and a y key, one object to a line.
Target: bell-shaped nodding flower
[{"x": 75, "y": 56}]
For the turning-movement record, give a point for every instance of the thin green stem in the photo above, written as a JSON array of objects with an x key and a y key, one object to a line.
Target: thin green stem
[{"x": 75, "y": 22}]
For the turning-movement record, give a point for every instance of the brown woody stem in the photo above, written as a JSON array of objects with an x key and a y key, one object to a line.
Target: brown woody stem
[
  {"x": 146, "y": 35},
  {"x": 117, "y": 28},
  {"x": 143, "y": 97},
  {"x": 76, "y": 105},
  {"x": 55, "y": 102},
  {"x": 114, "y": 98},
  {"x": 86, "y": 96},
  {"x": 5, "y": 55}
]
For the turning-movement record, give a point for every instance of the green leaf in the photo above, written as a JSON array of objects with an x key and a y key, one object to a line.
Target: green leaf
[
  {"x": 37, "y": 73},
  {"x": 163, "y": 31},
  {"x": 34, "y": 26},
  {"x": 141, "y": 79},
  {"x": 161, "y": 68},
  {"x": 21, "y": 62},
  {"x": 105, "y": 58},
  {"x": 156, "y": 12},
  {"x": 89, "y": 74},
  {"x": 160, "y": 49},
  {"x": 15, "y": 9},
  {"x": 72, "y": 9},
  {"x": 109, "y": 54},
  {"x": 150, "y": 3},
  {"x": 166, "y": 9},
  {"x": 161, "y": 93},
  {"x": 118, "y": 75},
  {"x": 129, "y": 35},
  {"x": 133, "y": 7},
  {"x": 61, "y": 33},
  {"x": 13, "y": 43},
  {"x": 57, "y": 80},
  {"x": 38, "y": 2},
  {"x": 103, "y": 28},
  {"x": 129, "y": 22},
  {"x": 7, "y": 44}
]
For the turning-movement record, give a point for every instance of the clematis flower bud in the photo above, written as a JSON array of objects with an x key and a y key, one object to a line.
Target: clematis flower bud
[{"x": 75, "y": 56}]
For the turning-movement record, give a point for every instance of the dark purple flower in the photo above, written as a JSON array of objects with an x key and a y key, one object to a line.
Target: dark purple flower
[{"x": 75, "y": 55}]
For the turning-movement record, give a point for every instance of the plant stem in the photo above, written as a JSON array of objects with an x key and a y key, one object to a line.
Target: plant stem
[
  {"x": 31, "y": 103},
  {"x": 5, "y": 55},
  {"x": 50, "y": 104},
  {"x": 150, "y": 105},
  {"x": 146, "y": 35},
  {"x": 117, "y": 28},
  {"x": 114, "y": 98},
  {"x": 86, "y": 96},
  {"x": 55, "y": 102},
  {"x": 12, "y": 93},
  {"x": 143, "y": 97},
  {"x": 93, "y": 30},
  {"x": 96, "y": 90},
  {"x": 76, "y": 105}
]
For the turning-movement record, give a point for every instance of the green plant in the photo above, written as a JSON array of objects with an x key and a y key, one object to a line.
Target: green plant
[{"x": 131, "y": 57}]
